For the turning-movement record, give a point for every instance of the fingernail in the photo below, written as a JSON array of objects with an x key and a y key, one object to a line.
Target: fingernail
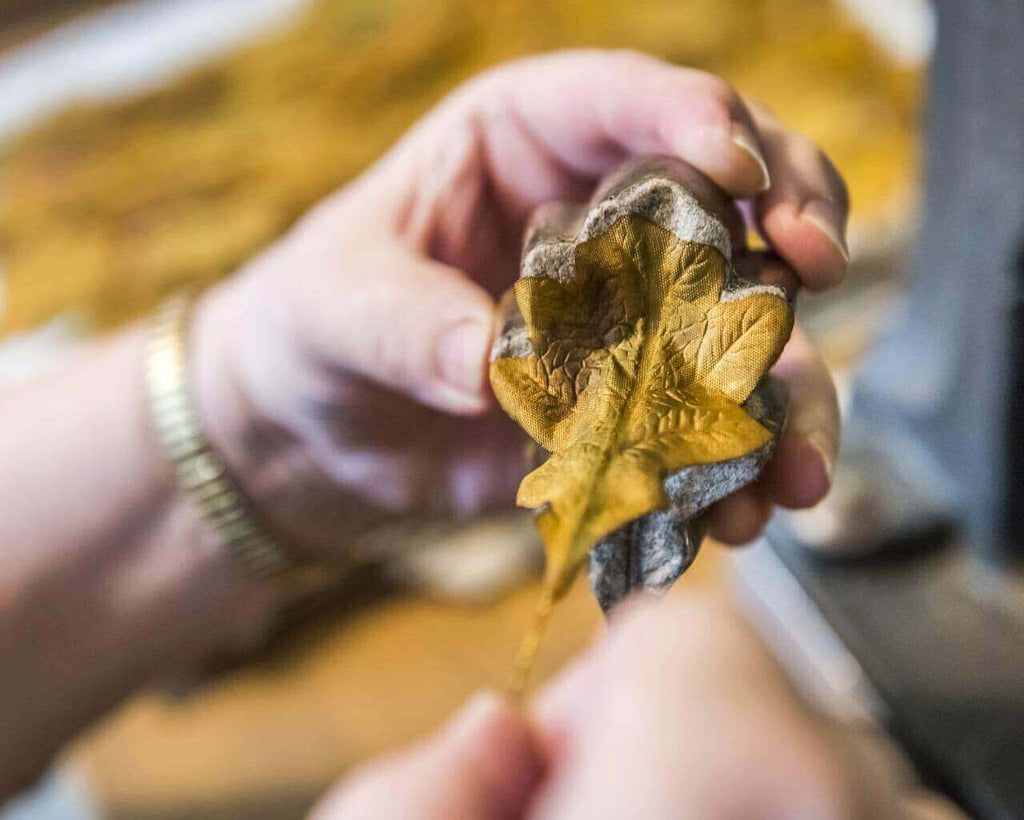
[
  {"x": 744, "y": 138},
  {"x": 821, "y": 214},
  {"x": 461, "y": 353},
  {"x": 822, "y": 445}
]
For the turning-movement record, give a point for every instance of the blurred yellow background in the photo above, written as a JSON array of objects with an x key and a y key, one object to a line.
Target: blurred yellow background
[{"x": 107, "y": 208}]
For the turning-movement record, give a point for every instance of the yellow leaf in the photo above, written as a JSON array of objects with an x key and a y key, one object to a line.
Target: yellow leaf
[
  {"x": 739, "y": 345},
  {"x": 636, "y": 368},
  {"x": 630, "y": 367}
]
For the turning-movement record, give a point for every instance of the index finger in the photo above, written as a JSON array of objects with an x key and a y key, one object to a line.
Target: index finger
[
  {"x": 803, "y": 215},
  {"x": 588, "y": 110}
]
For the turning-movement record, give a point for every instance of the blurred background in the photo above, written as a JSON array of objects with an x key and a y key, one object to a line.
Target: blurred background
[{"x": 149, "y": 144}]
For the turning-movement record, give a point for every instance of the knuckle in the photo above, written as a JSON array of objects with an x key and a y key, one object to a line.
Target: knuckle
[
  {"x": 479, "y": 89},
  {"x": 631, "y": 58},
  {"x": 718, "y": 90},
  {"x": 812, "y": 156},
  {"x": 762, "y": 111},
  {"x": 624, "y": 65},
  {"x": 804, "y": 149}
]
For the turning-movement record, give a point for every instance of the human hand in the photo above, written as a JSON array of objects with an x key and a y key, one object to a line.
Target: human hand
[
  {"x": 681, "y": 712},
  {"x": 343, "y": 372}
]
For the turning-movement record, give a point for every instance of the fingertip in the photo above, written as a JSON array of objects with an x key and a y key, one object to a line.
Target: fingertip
[
  {"x": 818, "y": 215},
  {"x": 744, "y": 138},
  {"x": 729, "y": 156},
  {"x": 809, "y": 239},
  {"x": 823, "y": 446},
  {"x": 411, "y": 324},
  {"x": 490, "y": 721},
  {"x": 739, "y": 518},
  {"x": 455, "y": 401},
  {"x": 493, "y": 739},
  {"x": 460, "y": 366},
  {"x": 826, "y": 218},
  {"x": 482, "y": 764},
  {"x": 800, "y": 475},
  {"x": 707, "y": 125},
  {"x": 484, "y": 713}
]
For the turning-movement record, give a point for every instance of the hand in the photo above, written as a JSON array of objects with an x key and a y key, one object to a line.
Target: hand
[
  {"x": 681, "y": 712},
  {"x": 343, "y": 372}
]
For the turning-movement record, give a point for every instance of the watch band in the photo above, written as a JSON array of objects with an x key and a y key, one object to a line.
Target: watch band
[{"x": 202, "y": 474}]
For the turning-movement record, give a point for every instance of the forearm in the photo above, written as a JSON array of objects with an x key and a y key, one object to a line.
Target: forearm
[{"x": 108, "y": 578}]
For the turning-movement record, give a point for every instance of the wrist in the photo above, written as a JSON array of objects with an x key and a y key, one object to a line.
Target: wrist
[
  {"x": 111, "y": 578},
  {"x": 243, "y": 383},
  {"x": 206, "y": 603}
]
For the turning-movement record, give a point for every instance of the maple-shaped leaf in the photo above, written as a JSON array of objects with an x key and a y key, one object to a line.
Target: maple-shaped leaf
[{"x": 628, "y": 354}]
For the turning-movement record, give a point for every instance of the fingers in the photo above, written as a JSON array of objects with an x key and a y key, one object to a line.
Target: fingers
[
  {"x": 925, "y": 805},
  {"x": 800, "y": 472},
  {"x": 739, "y": 518},
  {"x": 386, "y": 313},
  {"x": 803, "y": 215},
  {"x": 766, "y": 268},
  {"x": 678, "y": 704},
  {"x": 481, "y": 766},
  {"x": 591, "y": 109},
  {"x": 898, "y": 791},
  {"x": 545, "y": 128}
]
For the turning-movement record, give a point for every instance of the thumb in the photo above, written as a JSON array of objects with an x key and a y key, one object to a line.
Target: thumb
[
  {"x": 482, "y": 765},
  {"x": 409, "y": 323}
]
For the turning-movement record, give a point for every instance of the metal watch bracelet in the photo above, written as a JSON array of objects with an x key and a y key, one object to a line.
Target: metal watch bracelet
[{"x": 202, "y": 474}]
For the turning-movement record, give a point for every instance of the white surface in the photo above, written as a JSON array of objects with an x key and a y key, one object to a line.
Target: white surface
[
  {"x": 825, "y": 671},
  {"x": 124, "y": 49}
]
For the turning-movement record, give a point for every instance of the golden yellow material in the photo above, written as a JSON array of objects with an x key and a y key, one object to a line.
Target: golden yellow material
[
  {"x": 638, "y": 369},
  {"x": 109, "y": 209}
]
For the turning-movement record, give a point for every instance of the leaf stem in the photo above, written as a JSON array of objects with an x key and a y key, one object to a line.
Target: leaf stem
[{"x": 529, "y": 647}]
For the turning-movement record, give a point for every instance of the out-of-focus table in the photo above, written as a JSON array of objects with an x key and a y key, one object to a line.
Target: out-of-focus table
[{"x": 265, "y": 741}]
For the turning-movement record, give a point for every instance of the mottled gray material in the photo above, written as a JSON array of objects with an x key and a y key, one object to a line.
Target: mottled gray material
[
  {"x": 651, "y": 552},
  {"x": 646, "y": 190}
]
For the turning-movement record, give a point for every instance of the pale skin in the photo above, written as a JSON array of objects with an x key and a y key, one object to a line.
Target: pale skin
[
  {"x": 342, "y": 373},
  {"x": 679, "y": 712}
]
